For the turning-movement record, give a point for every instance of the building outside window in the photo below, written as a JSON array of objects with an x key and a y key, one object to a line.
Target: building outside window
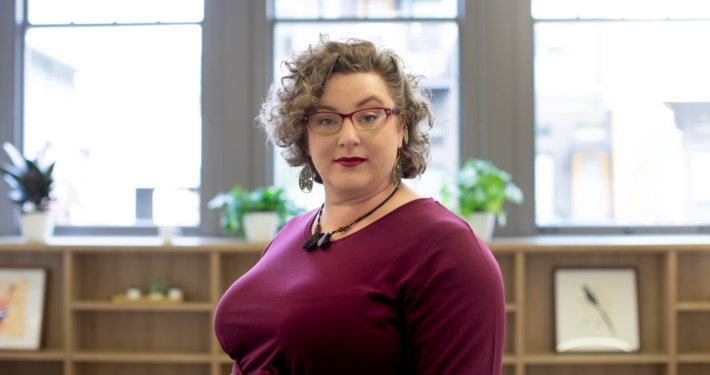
[
  {"x": 112, "y": 93},
  {"x": 622, "y": 123}
]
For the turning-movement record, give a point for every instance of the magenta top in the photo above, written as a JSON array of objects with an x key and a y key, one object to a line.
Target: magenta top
[{"x": 415, "y": 292}]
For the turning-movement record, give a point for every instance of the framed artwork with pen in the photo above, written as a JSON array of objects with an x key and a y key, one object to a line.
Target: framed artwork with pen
[{"x": 596, "y": 310}]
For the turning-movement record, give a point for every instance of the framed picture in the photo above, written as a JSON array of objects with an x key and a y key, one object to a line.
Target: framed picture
[
  {"x": 596, "y": 310},
  {"x": 21, "y": 307}
]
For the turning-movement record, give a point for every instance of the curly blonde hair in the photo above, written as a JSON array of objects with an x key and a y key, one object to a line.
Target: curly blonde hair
[{"x": 281, "y": 115}]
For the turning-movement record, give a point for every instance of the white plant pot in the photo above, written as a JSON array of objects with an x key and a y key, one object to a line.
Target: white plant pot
[
  {"x": 37, "y": 227},
  {"x": 482, "y": 224},
  {"x": 260, "y": 226}
]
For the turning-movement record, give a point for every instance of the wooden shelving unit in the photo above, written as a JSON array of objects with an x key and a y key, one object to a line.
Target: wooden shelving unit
[{"x": 84, "y": 333}]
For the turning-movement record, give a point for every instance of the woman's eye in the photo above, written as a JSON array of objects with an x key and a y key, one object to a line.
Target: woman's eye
[
  {"x": 368, "y": 117},
  {"x": 327, "y": 121}
]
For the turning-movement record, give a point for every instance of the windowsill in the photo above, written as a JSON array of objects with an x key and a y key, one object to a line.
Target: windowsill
[
  {"x": 130, "y": 242},
  {"x": 501, "y": 244},
  {"x": 660, "y": 242}
]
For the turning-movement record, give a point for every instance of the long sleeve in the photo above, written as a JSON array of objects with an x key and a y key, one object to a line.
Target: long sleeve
[{"x": 455, "y": 313}]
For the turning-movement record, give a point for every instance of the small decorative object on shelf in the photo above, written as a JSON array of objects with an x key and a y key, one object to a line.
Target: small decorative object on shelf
[
  {"x": 157, "y": 289},
  {"x": 157, "y": 293},
  {"x": 134, "y": 293},
  {"x": 596, "y": 310},
  {"x": 175, "y": 294},
  {"x": 256, "y": 215},
  {"x": 30, "y": 187},
  {"x": 479, "y": 192}
]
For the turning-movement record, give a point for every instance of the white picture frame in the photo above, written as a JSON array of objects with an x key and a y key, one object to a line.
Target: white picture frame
[
  {"x": 596, "y": 310},
  {"x": 21, "y": 307}
]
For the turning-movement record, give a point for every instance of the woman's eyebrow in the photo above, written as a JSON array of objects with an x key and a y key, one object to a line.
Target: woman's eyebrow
[
  {"x": 359, "y": 104},
  {"x": 369, "y": 99}
]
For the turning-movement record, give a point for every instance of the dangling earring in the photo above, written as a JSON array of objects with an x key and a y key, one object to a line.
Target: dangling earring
[
  {"x": 406, "y": 134},
  {"x": 397, "y": 174},
  {"x": 305, "y": 179}
]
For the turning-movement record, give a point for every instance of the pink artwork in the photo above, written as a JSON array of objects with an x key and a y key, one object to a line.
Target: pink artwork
[{"x": 21, "y": 307}]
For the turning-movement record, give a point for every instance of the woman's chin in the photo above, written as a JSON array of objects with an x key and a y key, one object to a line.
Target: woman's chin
[{"x": 350, "y": 186}]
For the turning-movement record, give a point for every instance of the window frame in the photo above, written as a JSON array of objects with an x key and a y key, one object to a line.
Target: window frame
[
  {"x": 139, "y": 228},
  {"x": 496, "y": 103},
  {"x": 231, "y": 147}
]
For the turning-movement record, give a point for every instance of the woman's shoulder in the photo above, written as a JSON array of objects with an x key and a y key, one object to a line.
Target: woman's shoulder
[
  {"x": 427, "y": 214},
  {"x": 435, "y": 229}
]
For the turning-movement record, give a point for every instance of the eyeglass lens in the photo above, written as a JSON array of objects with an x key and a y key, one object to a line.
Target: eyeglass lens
[{"x": 331, "y": 122}]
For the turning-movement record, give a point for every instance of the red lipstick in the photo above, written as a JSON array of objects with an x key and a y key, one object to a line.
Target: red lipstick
[{"x": 350, "y": 162}]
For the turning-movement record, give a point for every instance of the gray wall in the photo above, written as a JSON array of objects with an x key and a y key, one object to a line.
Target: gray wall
[{"x": 496, "y": 96}]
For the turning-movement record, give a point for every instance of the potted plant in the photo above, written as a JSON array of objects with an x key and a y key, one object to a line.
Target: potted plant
[
  {"x": 256, "y": 215},
  {"x": 30, "y": 186},
  {"x": 479, "y": 193}
]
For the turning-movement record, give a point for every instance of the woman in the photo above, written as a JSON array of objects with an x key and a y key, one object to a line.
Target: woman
[{"x": 378, "y": 280}]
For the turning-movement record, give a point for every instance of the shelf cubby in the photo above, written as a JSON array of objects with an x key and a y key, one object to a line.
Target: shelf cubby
[
  {"x": 139, "y": 331},
  {"x": 508, "y": 370},
  {"x": 52, "y": 262},
  {"x": 99, "y": 275},
  {"x": 233, "y": 266},
  {"x": 539, "y": 295},
  {"x": 694, "y": 280},
  {"x": 31, "y": 367},
  {"x": 509, "y": 348},
  {"x": 506, "y": 262},
  {"x": 694, "y": 369},
  {"x": 694, "y": 332}
]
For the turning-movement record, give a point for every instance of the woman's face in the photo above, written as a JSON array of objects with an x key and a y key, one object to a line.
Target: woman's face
[{"x": 353, "y": 162}]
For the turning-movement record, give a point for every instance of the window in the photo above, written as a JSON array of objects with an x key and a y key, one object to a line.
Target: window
[
  {"x": 112, "y": 92},
  {"x": 424, "y": 33},
  {"x": 622, "y": 113}
]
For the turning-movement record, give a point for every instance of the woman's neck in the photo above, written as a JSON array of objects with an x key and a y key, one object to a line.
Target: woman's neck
[{"x": 338, "y": 212}]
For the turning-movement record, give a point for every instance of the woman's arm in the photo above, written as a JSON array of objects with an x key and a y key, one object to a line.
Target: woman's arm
[{"x": 455, "y": 314}]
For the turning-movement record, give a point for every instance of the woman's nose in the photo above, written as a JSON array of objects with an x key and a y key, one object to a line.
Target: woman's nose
[{"x": 348, "y": 133}]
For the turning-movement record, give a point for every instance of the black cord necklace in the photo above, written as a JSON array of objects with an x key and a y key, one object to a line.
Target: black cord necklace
[{"x": 322, "y": 239}]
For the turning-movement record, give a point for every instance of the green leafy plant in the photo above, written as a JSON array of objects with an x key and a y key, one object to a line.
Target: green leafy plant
[
  {"x": 238, "y": 202},
  {"x": 480, "y": 186},
  {"x": 158, "y": 286},
  {"x": 30, "y": 185}
]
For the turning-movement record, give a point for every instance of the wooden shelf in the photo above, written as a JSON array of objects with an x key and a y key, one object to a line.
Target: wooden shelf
[
  {"x": 621, "y": 358},
  {"x": 167, "y": 338},
  {"x": 140, "y": 357},
  {"x": 694, "y": 358},
  {"x": 225, "y": 359},
  {"x": 39, "y": 355},
  {"x": 109, "y": 306},
  {"x": 693, "y": 306},
  {"x": 132, "y": 244},
  {"x": 509, "y": 359},
  {"x": 602, "y": 243}
]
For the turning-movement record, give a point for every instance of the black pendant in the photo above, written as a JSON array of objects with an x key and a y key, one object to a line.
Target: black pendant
[
  {"x": 310, "y": 244},
  {"x": 323, "y": 242}
]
